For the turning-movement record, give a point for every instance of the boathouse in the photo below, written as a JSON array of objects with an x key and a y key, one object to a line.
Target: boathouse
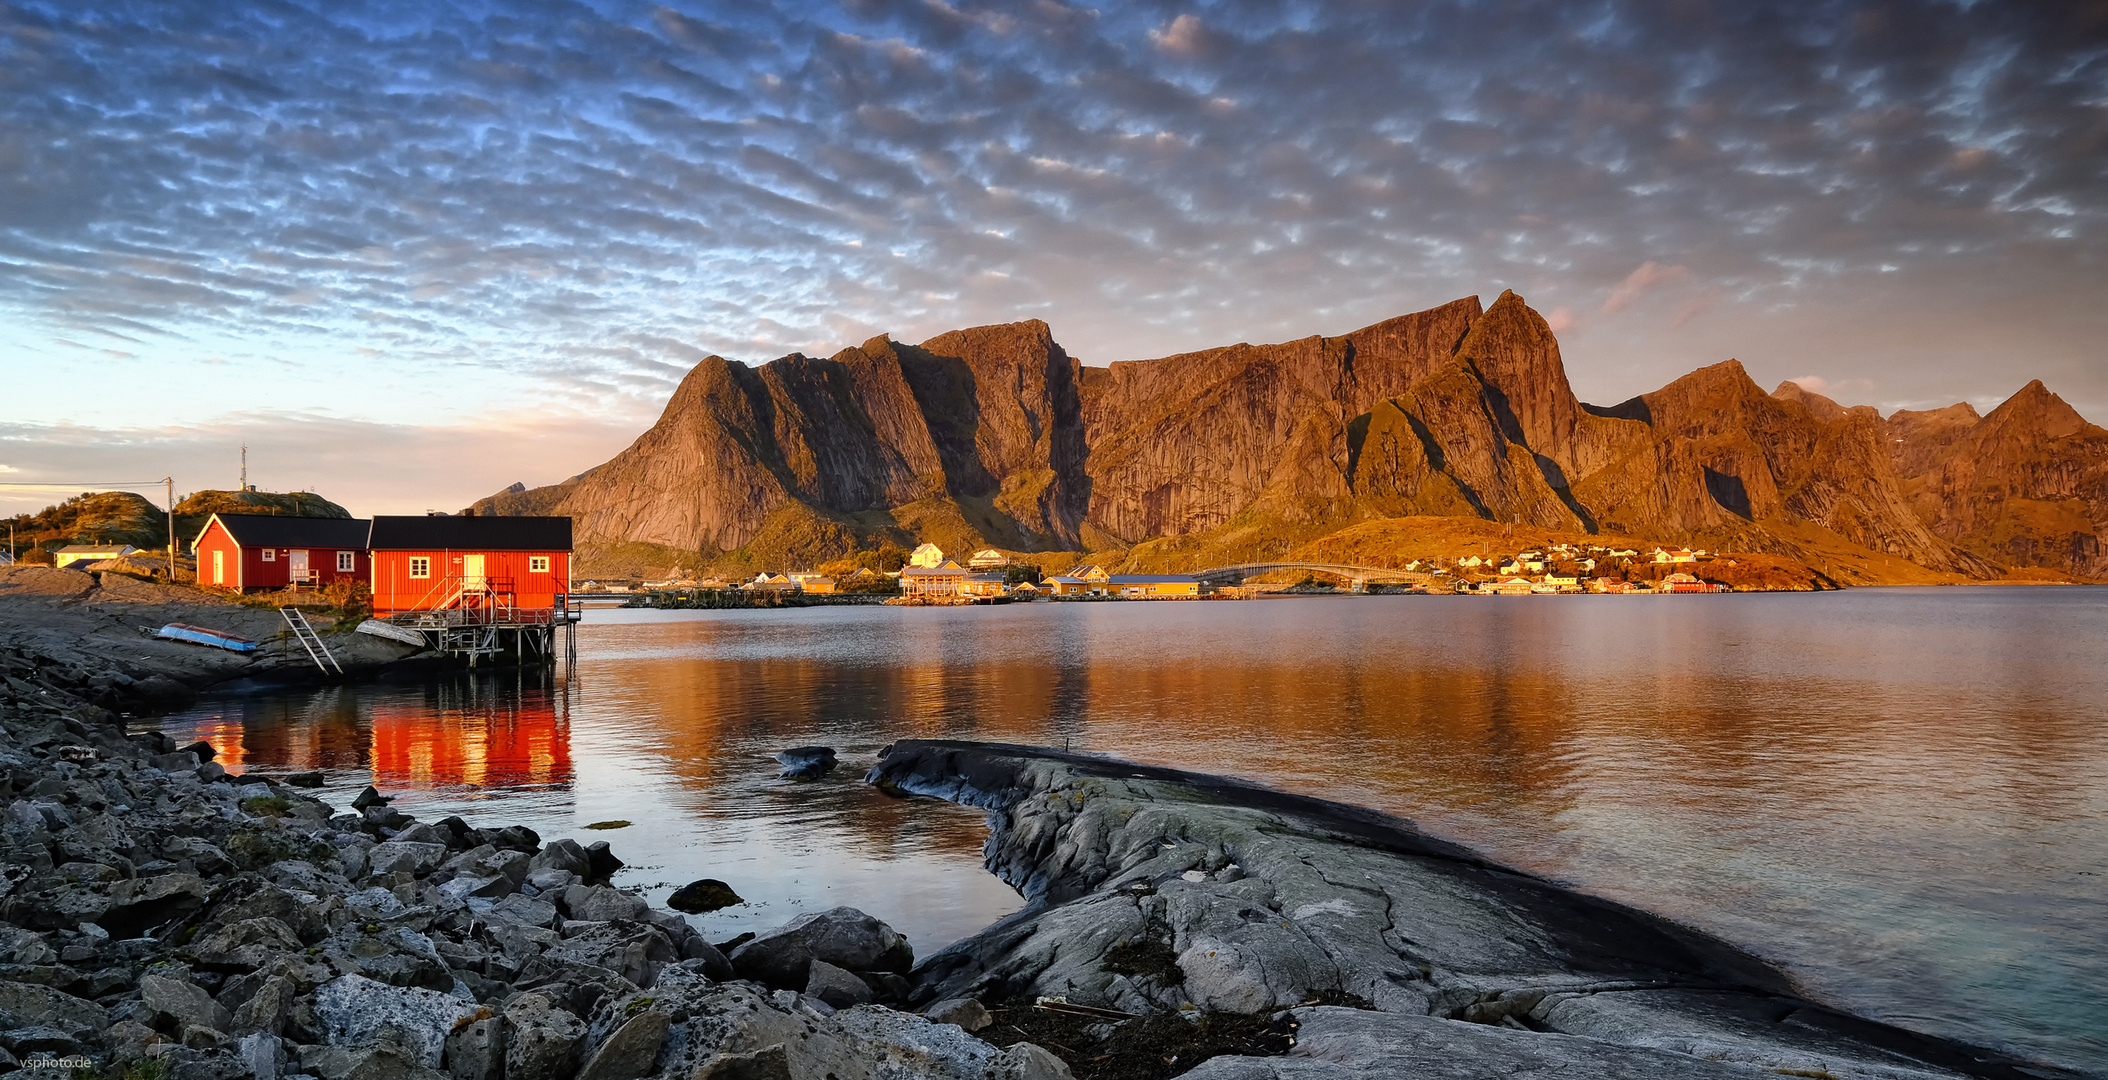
[
  {"x": 255, "y": 552},
  {"x": 436, "y": 563}
]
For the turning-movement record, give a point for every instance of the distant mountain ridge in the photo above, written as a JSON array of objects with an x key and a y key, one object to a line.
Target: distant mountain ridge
[{"x": 995, "y": 436}]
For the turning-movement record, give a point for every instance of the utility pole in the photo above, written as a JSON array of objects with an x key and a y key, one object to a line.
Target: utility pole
[{"x": 171, "y": 482}]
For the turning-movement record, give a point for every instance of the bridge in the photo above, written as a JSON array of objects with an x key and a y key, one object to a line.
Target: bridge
[{"x": 1357, "y": 577}]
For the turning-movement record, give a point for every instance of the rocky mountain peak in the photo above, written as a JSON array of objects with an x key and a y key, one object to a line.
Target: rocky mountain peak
[
  {"x": 2039, "y": 411},
  {"x": 1824, "y": 408}
]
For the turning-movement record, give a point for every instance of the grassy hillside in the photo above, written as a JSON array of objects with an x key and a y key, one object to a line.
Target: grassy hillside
[{"x": 122, "y": 517}]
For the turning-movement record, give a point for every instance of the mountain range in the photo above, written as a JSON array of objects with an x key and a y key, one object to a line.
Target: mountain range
[{"x": 994, "y": 436}]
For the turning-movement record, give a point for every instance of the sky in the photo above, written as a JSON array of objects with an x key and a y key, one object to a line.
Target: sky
[{"x": 409, "y": 253}]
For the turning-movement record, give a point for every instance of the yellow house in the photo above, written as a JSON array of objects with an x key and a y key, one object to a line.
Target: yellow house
[
  {"x": 1153, "y": 586},
  {"x": 928, "y": 556},
  {"x": 814, "y": 583},
  {"x": 988, "y": 559},
  {"x": 73, "y": 553}
]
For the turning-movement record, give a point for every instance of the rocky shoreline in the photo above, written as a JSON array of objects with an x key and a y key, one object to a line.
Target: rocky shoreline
[{"x": 161, "y": 917}]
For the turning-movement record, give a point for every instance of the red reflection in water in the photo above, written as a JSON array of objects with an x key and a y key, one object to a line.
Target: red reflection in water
[
  {"x": 466, "y": 734},
  {"x": 490, "y": 740}
]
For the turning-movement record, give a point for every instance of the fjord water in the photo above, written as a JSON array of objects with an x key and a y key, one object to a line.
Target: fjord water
[{"x": 1898, "y": 795}]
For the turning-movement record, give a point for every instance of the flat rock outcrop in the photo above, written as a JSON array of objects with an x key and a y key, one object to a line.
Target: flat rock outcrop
[{"x": 1396, "y": 954}]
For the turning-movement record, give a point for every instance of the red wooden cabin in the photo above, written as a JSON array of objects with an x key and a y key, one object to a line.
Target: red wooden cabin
[
  {"x": 251, "y": 552},
  {"x": 496, "y": 569}
]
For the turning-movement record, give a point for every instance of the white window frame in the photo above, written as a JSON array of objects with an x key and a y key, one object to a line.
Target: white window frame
[
  {"x": 347, "y": 562},
  {"x": 270, "y": 554},
  {"x": 420, "y": 566},
  {"x": 537, "y": 564}
]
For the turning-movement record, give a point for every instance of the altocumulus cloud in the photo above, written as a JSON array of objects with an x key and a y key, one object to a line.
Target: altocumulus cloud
[{"x": 513, "y": 200}]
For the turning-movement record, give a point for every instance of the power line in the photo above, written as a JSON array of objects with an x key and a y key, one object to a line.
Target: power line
[{"x": 107, "y": 486}]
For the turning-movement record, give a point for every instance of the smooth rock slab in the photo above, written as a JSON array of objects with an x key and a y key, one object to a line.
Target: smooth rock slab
[{"x": 1268, "y": 900}]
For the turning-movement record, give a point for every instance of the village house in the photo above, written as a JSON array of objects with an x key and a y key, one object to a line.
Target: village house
[
  {"x": 1153, "y": 586},
  {"x": 253, "y": 552},
  {"x": 988, "y": 559},
  {"x": 438, "y": 562},
  {"x": 766, "y": 582},
  {"x": 1674, "y": 555},
  {"x": 932, "y": 581},
  {"x": 76, "y": 553},
  {"x": 985, "y": 586},
  {"x": 812, "y": 582},
  {"x": 1685, "y": 583},
  {"x": 928, "y": 557},
  {"x": 1079, "y": 581},
  {"x": 1512, "y": 586}
]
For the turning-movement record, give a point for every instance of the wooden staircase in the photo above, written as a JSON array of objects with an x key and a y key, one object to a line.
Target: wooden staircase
[{"x": 304, "y": 633}]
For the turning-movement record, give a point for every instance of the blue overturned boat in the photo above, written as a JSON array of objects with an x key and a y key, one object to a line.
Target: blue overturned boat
[{"x": 202, "y": 635}]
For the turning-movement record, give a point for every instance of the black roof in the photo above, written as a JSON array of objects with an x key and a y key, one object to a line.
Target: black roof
[
  {"x": 471, "y": 533},
  {"x": 269, "y": 530}
]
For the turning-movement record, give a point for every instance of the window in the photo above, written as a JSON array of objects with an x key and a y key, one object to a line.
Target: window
[
  {"x": 537, "y": 564},
  {"x": 420, "y": 566},
  {"x": 270, "y": 554},
  {"x": 347, "y": 561}
]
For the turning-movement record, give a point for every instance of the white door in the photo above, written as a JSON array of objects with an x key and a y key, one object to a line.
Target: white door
[
  {"x": 219, "y": 568},
  {"x": 296, "y": 565},
  {"x": 472, "y": 571}
]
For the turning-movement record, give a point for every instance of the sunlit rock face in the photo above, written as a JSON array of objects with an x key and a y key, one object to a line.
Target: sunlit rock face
[
  {"x": 2027, "y": 485},
  {"x": 996, "y": 437}
]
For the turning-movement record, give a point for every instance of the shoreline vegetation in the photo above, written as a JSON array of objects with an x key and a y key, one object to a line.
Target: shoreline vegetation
[{"x": 161, "y": 917}]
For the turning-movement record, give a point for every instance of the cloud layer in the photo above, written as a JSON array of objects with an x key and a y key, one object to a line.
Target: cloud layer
[{"x": 406, "y": 212}]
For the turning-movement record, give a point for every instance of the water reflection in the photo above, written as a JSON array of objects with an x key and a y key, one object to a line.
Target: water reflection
[{"x": 1901, "y": 795}]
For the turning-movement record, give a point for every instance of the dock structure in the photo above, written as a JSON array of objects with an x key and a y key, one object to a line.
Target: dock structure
[{"x": 486, "y": 625}]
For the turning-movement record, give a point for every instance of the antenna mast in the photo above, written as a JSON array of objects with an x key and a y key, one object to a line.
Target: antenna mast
[{"x": 245, "y": 467}]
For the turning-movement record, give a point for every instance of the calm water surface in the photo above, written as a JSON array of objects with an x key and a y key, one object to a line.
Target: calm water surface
[{"x": 1898, "y": 795}]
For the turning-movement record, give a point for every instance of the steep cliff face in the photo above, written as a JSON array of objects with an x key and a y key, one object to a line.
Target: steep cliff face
[
  {"x": 996, "y": 436},
  {"x": 1726, "y": 456},
  {"x": 2027, "y": 485}
]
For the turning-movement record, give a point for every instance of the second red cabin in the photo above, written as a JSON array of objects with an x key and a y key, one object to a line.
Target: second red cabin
[{"x": 248, "y": 552}]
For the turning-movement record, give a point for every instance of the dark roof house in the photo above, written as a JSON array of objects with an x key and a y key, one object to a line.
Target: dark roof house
[
  {"x": 435, "y": 533},
  {"x": 267, "y": 530}
]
